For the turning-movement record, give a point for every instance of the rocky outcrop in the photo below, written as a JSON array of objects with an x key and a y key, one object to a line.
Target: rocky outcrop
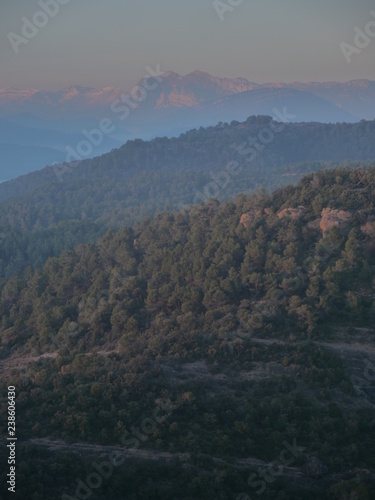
[
  {"x": 331, "y": 218},
  {"x": 291, "y": 213},
  {"x": 177, "y": 98},
  {"x": 369, "y": 229},
  {"x": 197, "y": 88},
  {"x": 248, "y": 217}
]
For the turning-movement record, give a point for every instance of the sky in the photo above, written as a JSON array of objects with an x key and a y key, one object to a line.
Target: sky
[{"x": 100, "y": 43}]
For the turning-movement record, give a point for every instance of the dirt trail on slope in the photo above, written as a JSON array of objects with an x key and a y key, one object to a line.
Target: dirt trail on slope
[
  {"x": 16, "y": 362},
  {"x": 103, "y": 451}
]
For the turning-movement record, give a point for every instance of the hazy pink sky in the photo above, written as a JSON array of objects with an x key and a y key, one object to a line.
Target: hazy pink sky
[{"x": 109, "y": 43}]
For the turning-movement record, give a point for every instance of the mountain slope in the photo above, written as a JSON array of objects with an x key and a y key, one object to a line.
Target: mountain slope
[
  {"x": 219, "y": 343},
  {"x": 356, "y": 97},
  {"x": 143, "y": 177},
  {"x": 304, "y": 106},
  {"x": 24, "y": 148}
]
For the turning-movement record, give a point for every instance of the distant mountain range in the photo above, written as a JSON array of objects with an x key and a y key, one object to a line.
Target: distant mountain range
[
  {"x": 36, "y": 126},
  {"x": 353, "y": 100}
]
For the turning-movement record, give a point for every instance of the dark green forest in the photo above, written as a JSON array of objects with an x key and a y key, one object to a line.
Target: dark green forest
[
  {"x": 240, "y": 321},
  {"x": 305, "y": 254}
]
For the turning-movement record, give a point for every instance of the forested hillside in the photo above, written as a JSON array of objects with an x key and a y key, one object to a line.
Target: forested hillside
[
  {"x": 304, "y": 254},
  {"x": 20, "y": 248},
  {"x": 249, "y": 323},
  {"x": 144, "y": 178}
]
